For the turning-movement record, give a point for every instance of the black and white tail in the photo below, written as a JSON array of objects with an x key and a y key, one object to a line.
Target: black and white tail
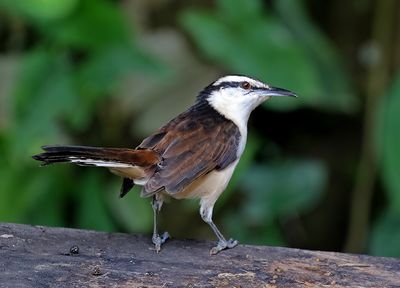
[
  {"x": 132, "y": 164},
  {"x": 97, "y": 156}
]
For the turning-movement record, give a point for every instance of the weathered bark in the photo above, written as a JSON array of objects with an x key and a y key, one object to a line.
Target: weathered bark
[{"x": 33, "y": 256}]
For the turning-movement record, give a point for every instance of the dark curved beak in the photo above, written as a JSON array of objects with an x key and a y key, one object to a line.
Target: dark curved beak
[{"x": 275, "y": 91}]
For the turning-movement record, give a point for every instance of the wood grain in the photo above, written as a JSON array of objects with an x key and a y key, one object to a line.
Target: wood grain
[{"x": 34, "y": 256}]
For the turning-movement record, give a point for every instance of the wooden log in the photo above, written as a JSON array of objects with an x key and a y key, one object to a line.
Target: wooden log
[{"x": 35, "y": 256}]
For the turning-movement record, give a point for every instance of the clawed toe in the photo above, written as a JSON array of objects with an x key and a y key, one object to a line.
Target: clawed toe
[
  {"x": 232, "y": 243},
  {"x": 222, "y": 245},
  {"x": 159, "y": 240}
]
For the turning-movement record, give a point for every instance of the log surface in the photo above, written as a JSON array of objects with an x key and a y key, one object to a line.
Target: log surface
[{"x": 35, "y": 256}]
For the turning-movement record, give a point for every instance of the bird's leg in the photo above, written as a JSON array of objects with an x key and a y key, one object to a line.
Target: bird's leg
[
  {"x": 206, "y": 215},
  {"x": 158, "y": 240}
]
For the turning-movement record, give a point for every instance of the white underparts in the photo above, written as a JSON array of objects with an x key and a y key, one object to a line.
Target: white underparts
[{"x": 214, "y": 184}]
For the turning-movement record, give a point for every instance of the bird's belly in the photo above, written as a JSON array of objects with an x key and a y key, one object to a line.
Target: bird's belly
[{"x": 209, "y": 186}]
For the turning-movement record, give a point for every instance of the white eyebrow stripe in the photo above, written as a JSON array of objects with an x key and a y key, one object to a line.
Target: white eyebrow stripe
[{"x": 237, "y": 78}]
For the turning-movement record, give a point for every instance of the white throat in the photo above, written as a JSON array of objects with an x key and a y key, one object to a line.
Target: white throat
[
  {"x": 237, "y": 112},
  {"x": 235, "y": 102}
]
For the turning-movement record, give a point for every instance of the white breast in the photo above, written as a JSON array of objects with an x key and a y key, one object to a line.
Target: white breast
[
  {"x": 216, "y": 184},
  {"x": 209, "y": 187}
]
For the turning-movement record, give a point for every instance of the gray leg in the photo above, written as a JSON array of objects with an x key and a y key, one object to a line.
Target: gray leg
[
  {"x": 158, "y": 240},
  {"x": 206, "y": 215}
]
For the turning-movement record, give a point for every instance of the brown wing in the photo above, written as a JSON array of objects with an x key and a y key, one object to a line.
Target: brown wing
[{"x": 193, "y": 144}]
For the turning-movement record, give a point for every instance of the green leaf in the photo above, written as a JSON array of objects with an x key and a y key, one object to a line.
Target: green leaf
[
  {"x": 46, "y": 92},
  {"x": 282, "y": 189},
  {"x": 388, "y": 139},
  {"x": 132, "y": 212},
  {"x": 269, "y": 234},
  {"x": 92, "y": 210},
  {"x": 385, "y": 235},
  {"x": 39, "y": 202},
  {"x": 82, "y": 55},
  {"x": 248, "y": 9},
  {"x": 34, "y": 70},
  {"x": 33, "y": 200},
  {"x": 7, "y": 185},
  {"x": 41, "y": 10},
  {"x": 261, "y": 45},
  {"x": 102, "y": 70},
  {"x": 331, "y": 74},
  {"x": 96, "y": 23}
]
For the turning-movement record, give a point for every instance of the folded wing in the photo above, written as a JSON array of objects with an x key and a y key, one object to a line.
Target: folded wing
[{"x": 192, "y": 145}]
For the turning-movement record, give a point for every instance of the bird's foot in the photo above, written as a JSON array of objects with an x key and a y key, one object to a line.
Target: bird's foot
[
  {"x": 159, "y": 240},
  {"x": 222, "y": 245}
]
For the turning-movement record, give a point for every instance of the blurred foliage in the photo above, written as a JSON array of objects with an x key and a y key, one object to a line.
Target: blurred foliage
[
  {"x": 74, "y": 57},
  {"x": 388, "y": 137},
  {"x": 282, "y": 189},
  {"x": 386, "y": 233},
  {"x": 274, "y": 49},
  {"x": 62, "y": 79},
  {"x": 274, "y": 192},
  {"x": 41, "y": 10}
]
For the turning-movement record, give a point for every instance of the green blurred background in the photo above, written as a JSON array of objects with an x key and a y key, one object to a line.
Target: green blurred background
[{"x": 319, "y": 172}]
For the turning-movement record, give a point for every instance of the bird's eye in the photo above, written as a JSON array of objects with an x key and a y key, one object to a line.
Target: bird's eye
[{"x": 246, "y": 85}]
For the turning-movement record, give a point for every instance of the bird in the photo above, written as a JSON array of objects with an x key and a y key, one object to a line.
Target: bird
[{"x": 193, "y": 156}]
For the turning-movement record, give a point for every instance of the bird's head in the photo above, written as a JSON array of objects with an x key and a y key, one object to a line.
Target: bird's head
[{"x": 236, "y": 96}]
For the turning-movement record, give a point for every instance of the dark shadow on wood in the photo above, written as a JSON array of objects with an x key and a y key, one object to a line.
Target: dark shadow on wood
[{"x": 34, "y": 256}]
